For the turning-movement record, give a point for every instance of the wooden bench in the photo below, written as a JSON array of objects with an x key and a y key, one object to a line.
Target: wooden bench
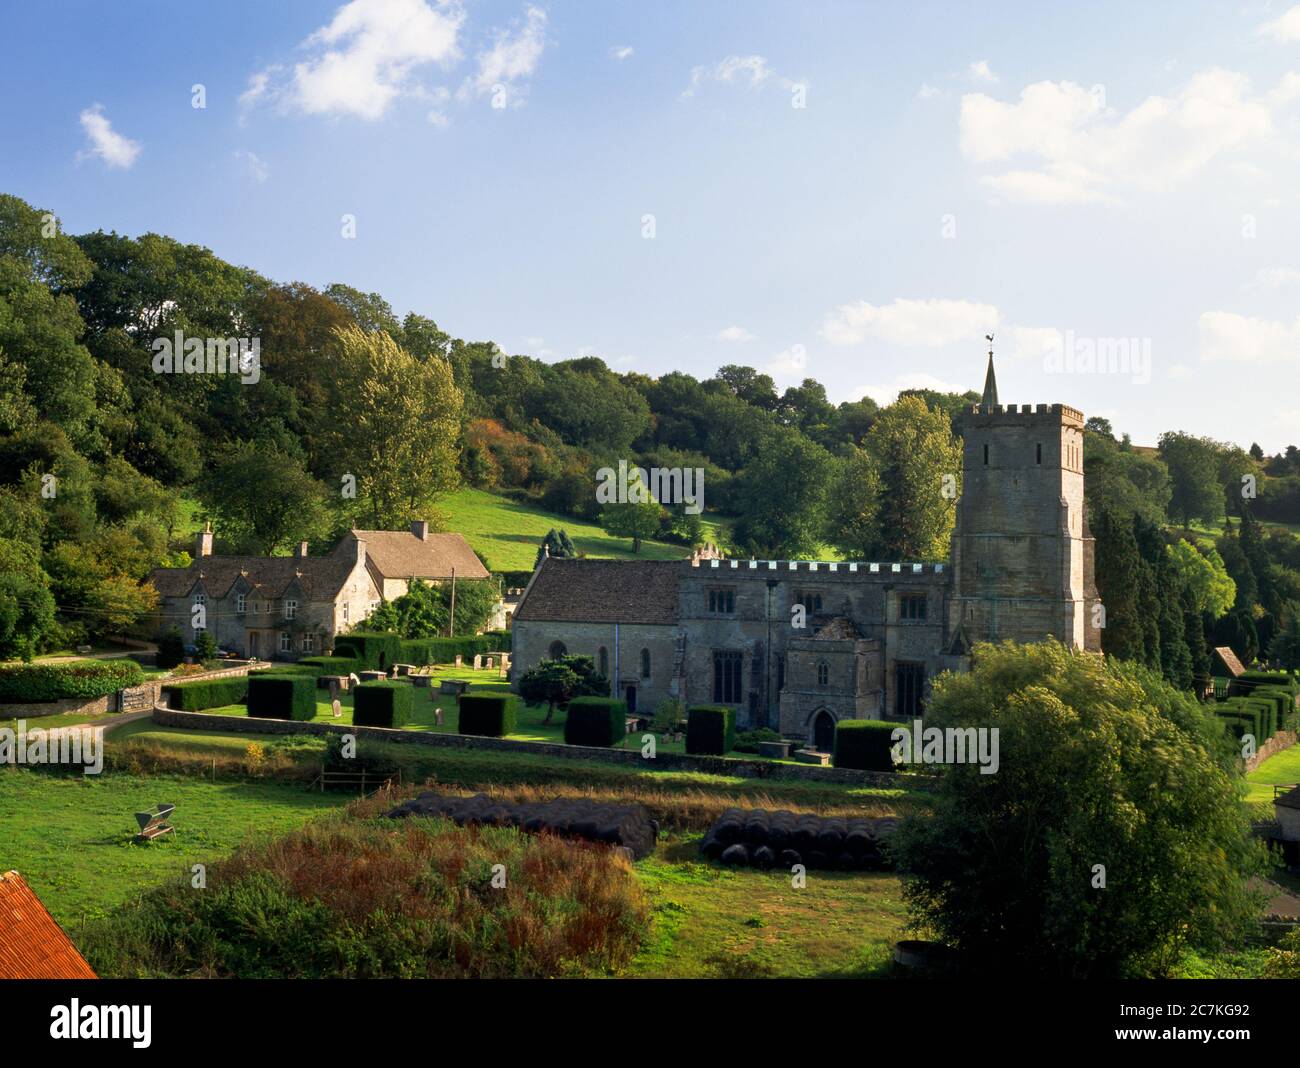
[{"x": 153, "y": 824}]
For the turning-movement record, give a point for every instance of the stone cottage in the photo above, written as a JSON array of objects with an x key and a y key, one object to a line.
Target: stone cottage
[{"x": 873, "y": 634}]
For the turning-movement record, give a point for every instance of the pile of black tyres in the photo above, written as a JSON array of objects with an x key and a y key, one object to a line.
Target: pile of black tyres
[
  {"x": 629, "y": 826},
  {"x": 758, "y": 838}
]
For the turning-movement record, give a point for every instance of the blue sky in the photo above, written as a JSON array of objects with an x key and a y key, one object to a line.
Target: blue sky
[{"x": 1116, "y": 179}]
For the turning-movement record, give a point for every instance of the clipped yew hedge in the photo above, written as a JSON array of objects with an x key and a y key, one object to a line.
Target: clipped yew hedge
[
  {"x": 377, "y": 651},
  {"x": 210, "y": 693},
  {"x": 864, "y": 744},
  {"x": 33, "y": 683},
  {"x": 425, "y": 651},
  {"x": 600, "y": 721},
  {"x": 382, "y": 704},
  {"x": 710, "y": 730},
  {"x": 280, "y": 695},
  {"x": 332, "y": 665},
  {"x": 489, "y": 715}
]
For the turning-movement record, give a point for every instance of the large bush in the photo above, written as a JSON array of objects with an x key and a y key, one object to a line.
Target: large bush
[
  {"x": 377, "y": 651},
  {"x": 280, "y": 695},
  {"x": 383, "y": 704},
  {"x": 710, "y": 730},
  {"x": 332, "y": 665},
  {"x": 598, "y": 721},
  {"x": 210, "y": 693},
  {"x": 864, "y": 744},
  {"x": 425, "y": 651},
  {"x": 32, "y": 683},
  {"x": 491, "y": 715},
  {"x": 171, "y": 648},
  {"x": 1105, "y": 771}
]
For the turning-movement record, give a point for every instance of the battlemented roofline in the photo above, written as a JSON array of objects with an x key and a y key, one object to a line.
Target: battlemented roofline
[
  {"x": 851, "y": 567},
  {"x": 1053, "y": 413}
]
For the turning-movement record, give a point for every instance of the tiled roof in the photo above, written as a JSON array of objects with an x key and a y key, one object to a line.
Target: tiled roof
[
  {"x": 1229, "y": 659},
  {"x": 603, "y": 591},
  {"x": 320, "y": 577},
  {"x": 399, "y": 554},
  {"x": 32, "y": 944}
]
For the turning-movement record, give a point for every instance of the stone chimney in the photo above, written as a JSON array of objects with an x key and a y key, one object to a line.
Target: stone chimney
[
  {"x": 420, "y": 528},
  {"x": 301, "y": 552},
  {"x": 361, "y": 551},
  {"x": 203, "y": 543}
]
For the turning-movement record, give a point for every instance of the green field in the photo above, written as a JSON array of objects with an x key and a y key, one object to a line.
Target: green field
[{"x": 1280, "y": 769}]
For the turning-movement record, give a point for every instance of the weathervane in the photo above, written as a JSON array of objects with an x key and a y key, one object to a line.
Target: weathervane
[{"x": 989, "y": 339}]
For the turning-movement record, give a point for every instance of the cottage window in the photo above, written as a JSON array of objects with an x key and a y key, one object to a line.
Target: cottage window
[
  {"x": 240, "y": 603},
  {"x": 345, "y": 611},
  {"x": 286, "y": 642},
  {"x": 200, "y": 598},
  {"x": 912, "y": 606},
  {"x": 290, "y": 609},
  {"x": 727, "y": 669},
  {"x": 722, "y": 602},
  {"x": 308, "y": 643}
]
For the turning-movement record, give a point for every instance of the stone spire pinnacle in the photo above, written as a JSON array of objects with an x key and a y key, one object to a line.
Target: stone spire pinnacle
[{"x": 990, "y": 398}]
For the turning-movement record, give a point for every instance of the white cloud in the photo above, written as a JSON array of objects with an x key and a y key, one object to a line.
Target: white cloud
[
  {"x": 621, "y": 51},
  {"x": 750, "y": 71},
  {"x": 364, "y": 59},
  {"x": 928, "y": 323},
  {"x": 1226, "y": 337},
  {"x": 1088, "y": 152},
  {"x": 105, "y": 142},
  {"x": 512, "y": 57},
  {"x": 1029, "y": 342},
  {"x": 981, "y": 72},
  {"x": 256, "y": 168},
  {"x": 789, "y": 365},
  {"x": 1274, "y": 278},
  {"x": 928, "y": 92},
  {"x": 735, "y": 333},
  {"x": 1285, "y": 28}
]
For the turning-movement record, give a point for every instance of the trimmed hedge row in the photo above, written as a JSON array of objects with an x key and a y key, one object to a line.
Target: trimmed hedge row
[
  {"x": 599, "y": 721},
  {"x": 1249, "y": 680},
  {"x": 710, "y": 730},
  {"x": 382, "y": 704},
  {"x": 425, "y": 651},
  {"x": 488, "y": 715},
  {"x": 333, "y": 665},
  {"x": 1266, "y": 711},
  {"x": 32, "y": 683},
  {"x": 763, "y": 839},
  {"x": 629, "y": 826},
  {"x": 277, "y": 695},
  {"x": 377, "y": 651},
  {"x": 211, "y": 693},
  {"x": 864, "y": 744}
]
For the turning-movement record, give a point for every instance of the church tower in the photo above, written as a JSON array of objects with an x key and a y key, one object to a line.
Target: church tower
[{"x": 1022, "y": 554}]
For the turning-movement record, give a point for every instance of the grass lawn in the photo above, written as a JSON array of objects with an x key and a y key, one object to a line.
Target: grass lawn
[
  {"x": 70, "y": 837},
  {"x": 1284, "y": 767},
  {"x": 710, "y": 921}
]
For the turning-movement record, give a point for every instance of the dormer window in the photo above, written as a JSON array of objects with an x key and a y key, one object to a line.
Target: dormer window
[
  {"x": 241, "y": 601},
  {"x": 290, "y": 609},
  {"x": 200, "y": 598}
]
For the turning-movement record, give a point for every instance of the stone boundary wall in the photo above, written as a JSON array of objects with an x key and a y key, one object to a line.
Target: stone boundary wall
[
  {"x": 132, "y": 699},
  {"x": 748, "y": 769},
  {"x": 1280, "y": 741}
]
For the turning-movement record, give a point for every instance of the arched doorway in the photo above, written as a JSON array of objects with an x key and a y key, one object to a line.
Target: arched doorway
[{"x": 823, "y": 731}]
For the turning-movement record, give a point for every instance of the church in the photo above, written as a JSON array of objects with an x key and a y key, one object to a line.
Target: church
[{"x": 797, "y": 645}]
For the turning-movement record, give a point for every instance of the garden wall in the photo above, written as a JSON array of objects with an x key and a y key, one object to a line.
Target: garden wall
[
  {"x": 132, "y": 699},
  {"x": 748, "y": 769}
]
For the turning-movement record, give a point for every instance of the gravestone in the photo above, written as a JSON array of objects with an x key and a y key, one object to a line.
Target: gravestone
[
  {"x": 459, "y": 659},
  {"x": 337, "y": 708},
  {"x": 478, "y": 662},
  {"x": 437, "y": 716},
  {"x": 490, "y": 663}
]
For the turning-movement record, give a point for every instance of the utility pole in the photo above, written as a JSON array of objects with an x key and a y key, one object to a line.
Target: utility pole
[{"x": 452, "y": 632}]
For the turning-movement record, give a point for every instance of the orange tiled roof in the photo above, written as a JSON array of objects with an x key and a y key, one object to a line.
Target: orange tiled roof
[{"x": 32, "y": 944}]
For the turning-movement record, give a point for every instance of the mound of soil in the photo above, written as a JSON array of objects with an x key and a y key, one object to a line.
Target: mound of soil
[{"x": 755, "y": 836}]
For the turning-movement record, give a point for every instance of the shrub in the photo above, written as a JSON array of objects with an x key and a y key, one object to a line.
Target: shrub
[
  {"x": 424, "y": 651},
  {"x": 33, "y": 683},
  {"x": 710, "y": 730},
  {"x": 489, "y": 715},
  {"x": 331, "y": 665},
  {"x": 211, "y": 693},
  {"x": 171, "y": 648},
  {"x": 864, "y": 744},
  {"x": 383, "y": 704},
  {"x": 600, "y": 721},
  {"x": 377, "y": 651},
  {"x": 282, "y": 695}
]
